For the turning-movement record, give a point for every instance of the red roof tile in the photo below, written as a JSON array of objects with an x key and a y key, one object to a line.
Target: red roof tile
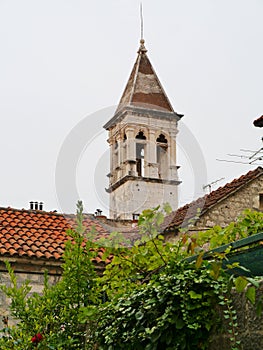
[
  {"x": 183, "y": 215},
  {"x": 39, "y": 234}
]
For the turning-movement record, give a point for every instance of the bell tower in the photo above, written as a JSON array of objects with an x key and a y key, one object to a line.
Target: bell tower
[{"x": 142, "y": 139}]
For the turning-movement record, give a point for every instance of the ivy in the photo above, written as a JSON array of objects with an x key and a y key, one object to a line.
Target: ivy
[
  {"x": 176, "y": 309},
  {"x": 149, "y": 297}
]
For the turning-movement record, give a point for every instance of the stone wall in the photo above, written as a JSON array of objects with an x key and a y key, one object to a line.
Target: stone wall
[
  {"x": 136, "y": 195},
  {"x": 227, "y": 210},
  {"x": 250, "y": 326},
  {"x": 23, "y": 273}
]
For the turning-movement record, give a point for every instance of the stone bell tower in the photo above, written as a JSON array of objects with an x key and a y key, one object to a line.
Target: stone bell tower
[{"x": 142, "y": 138}]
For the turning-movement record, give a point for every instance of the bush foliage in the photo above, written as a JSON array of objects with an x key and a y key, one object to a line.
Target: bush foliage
[{"x": 149, "y": 296}]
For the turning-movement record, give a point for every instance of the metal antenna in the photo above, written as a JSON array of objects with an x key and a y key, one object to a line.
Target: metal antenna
[
  {"x": 209, "y": 186},
  {"x": 249, "y": 156},
  {"x": 141, "y": 21}
]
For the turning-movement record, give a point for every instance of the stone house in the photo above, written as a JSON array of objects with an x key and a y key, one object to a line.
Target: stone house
[
  {"x": 220, "y": 207},
  {"x": 33, "y": 241}
]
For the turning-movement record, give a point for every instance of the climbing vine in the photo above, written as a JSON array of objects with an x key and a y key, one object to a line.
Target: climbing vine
[{"x": 151, "y": 296}]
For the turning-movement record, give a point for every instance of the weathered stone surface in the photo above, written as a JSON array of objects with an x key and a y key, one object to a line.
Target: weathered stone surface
[
  {"x": 36, "y": 282},
  {"x": 250, "y": 326},
  {"x": 227, "y": 210}
]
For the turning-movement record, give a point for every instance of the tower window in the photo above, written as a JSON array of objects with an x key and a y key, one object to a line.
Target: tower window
[
  {"x": 162, "y": 157},
  {"x": 141, "y": 136},
  {"x": 140, "y": 159},
  {"x": 261, "y": 201},
  {"x": 161, "y": 139}
]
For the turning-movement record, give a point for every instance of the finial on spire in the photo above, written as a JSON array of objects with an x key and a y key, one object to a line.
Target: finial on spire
[
  {"x": 141, "y": 21},
  {"x": 142, "y": 47}
]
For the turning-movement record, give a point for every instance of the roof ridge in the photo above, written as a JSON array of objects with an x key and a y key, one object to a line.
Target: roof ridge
[
  {"x": 229, "y": 183},
  {"x": 32, "y": 210},
  {"x": 137, "y": 65},
  {"x": 160, "y": 84},
  {"x": 249, "y": 176}
]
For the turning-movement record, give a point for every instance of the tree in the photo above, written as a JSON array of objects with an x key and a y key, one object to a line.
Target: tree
[{"x": 53, "y": 320}]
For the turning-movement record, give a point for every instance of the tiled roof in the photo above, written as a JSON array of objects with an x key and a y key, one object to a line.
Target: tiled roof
[
  {"x": 144, "y": 88},
  {"x": 40, "y": 235},
  {"x": 182, "y": 216},
  {"x": 259, "y": 122}
]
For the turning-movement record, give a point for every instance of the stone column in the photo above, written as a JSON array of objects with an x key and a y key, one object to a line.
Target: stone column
[
  {"x": 172, "y": 156},
  {"x": 119, "y": 157},
  {"x": 131, "y": 151}
]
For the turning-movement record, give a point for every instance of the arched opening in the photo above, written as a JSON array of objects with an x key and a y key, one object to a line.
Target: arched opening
[
  {"x": 115, "y": 155},
  {"x": 140, "y": 159},
  {"x": 140, "y": 153},
  {"x": 162, "y": 156},
  {"x": 140, "y": 136},
  {"x": 161, "y": 139}
]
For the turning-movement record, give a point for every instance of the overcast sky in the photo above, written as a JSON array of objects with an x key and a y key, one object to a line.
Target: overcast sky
[{"x": 64, "y": 65}]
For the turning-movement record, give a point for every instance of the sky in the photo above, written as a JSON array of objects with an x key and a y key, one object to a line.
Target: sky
[{"x": 64, "y": 65}]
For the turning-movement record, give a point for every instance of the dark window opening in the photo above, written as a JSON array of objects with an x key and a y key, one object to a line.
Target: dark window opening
[
  {"x": 161, "y": 139},
  {"x": 162, "y": 161},
  {"x": 140, "y": 159},
  {"x": 140, "y": 136},
  {"x": 261, "y": 201}
]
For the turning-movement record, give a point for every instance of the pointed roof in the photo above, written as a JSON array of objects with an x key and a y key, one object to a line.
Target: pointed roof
[
  {"x": 144, "y": 88},
  {"x": 143, "y": 91}
]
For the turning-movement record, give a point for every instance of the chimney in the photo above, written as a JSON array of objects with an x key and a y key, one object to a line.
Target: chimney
[
  {"x": 98, "y": 212},
  {"x": 36, "y": 205},
  {"x": 40, "y": 205},
  {"x": 31, "y": 205}
]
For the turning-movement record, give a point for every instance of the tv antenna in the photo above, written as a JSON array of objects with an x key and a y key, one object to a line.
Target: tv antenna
[
  {"x": 209, "y": 186},
  {"x": 249, "y": 157}
]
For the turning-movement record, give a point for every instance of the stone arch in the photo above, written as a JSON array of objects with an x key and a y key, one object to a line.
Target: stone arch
[{"x": 140, "y": 135}]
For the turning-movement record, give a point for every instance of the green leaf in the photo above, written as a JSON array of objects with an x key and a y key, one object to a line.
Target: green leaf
[
  {"x": 139, "y": 315},
  {"x": 253, "y": 281},
  {"x": 251, "y": 294},
  {"x": 194, "y": 295},
  {"x": 240, "y": 283},
  {"x": 199, "y": 260},
  {"x": 179, "y": 323}
]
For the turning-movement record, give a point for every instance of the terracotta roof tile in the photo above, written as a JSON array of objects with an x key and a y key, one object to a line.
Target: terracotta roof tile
[
  {"x": 39, "y": 234},
  {"x": 183, "y": 215}
]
